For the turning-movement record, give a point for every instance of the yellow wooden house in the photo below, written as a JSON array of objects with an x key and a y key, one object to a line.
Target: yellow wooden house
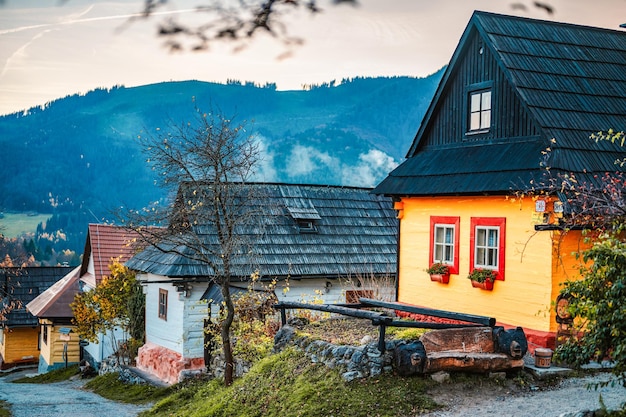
[
  {"x": 518, "y": 96},
  {"x": 19, "y": 330},
  {"x": 59, "y": 343}
]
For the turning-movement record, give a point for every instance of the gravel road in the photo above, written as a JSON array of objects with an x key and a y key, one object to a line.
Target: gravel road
[
  {"x": 60, "y": 399},
  {"x": 571, "y": 397}
]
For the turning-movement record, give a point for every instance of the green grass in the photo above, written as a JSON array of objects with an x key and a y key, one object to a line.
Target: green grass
[
  {"x": 16, "y": 224},
  {"x": 109, "y": 386},
  {"x": 4, "y": 409},
  {"x": 57, "y": 375},
  {"x": 288, "y": 384}
]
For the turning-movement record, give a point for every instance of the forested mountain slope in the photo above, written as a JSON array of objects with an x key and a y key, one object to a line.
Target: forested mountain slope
[{"x": 78, "y": 158}]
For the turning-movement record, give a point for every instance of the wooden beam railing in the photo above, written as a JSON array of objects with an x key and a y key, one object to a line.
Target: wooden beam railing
[{"x": 383, "y": 320}]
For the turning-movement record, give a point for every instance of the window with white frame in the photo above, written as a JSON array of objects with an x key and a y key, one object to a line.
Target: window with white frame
[
  {"x": 480, "y": 110},
  {"x": 487, "y": 247},
  {"x": 487, "y": 242},
  {"x": 444, "y": 241}
]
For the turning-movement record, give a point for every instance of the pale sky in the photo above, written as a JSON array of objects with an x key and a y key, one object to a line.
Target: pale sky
[{"x": 50, "y": 49}]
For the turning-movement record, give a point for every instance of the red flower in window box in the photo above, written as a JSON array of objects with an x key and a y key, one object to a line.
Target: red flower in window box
[
  {"x": 439, "y": 272},
  {"x": 482, "y": 278}
]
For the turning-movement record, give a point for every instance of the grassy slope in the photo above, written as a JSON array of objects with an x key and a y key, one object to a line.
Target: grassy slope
[{"x": 288, "y": 384}]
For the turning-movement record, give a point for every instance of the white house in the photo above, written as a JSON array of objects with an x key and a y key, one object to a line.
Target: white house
[
  {"x": 104, "y": 244},
  {"x": 316, "y": 237}
]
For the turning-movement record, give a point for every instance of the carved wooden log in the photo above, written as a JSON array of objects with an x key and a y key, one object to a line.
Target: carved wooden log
[
  {"x": 468, "y": 339},
  {"x": 471, "y": 349},
  {"x": 470, "y": 362}
]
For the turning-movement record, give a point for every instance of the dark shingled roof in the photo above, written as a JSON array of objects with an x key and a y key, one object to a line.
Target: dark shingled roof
[
  {"x": 572, "y": 81},
  {"x": 24, "y": 284},
  {"x": 356, "y": 232}
]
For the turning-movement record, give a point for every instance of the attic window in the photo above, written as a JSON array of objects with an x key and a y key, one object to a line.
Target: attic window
[
  {"x": 305, "y": 216},
  {"x": 480, "y": 111},
  {"x": 306, "y": 226}
]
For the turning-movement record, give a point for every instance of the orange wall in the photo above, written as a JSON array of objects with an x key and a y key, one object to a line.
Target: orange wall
[{"x": 522, "y": 299}]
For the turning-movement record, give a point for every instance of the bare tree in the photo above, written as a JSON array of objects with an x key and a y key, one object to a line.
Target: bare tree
[{"x": 208, "y": 160}]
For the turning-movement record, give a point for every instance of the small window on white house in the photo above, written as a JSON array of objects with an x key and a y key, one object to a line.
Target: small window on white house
[
  {"x": 480, "y": 110},
  {"x": 162, "y": 304}
]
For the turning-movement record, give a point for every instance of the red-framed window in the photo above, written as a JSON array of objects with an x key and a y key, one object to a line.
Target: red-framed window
[
  {"x": 487, "y": 244},
  {"x": 444, "y": 241},
  {"x": 162, "y": 304}
]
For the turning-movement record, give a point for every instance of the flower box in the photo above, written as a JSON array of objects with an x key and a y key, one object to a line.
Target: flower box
[
  {"x": 443, "y": 278},
  {"x": 482, "y": 278},
  {"x": 486, "y": 285}
]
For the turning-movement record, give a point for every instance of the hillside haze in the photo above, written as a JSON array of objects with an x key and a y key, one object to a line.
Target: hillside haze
[{"x": 78, "y": 157}]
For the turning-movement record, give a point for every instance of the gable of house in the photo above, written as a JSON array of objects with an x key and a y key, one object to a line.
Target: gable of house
[
  {"x": 549, "y": 85},
  {"x": 104, "y": 244}
]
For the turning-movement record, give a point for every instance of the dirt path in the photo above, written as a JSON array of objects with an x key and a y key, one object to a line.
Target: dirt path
[
  {"x": 569, "y": 398},
  {"x": 62, "y": 399}
]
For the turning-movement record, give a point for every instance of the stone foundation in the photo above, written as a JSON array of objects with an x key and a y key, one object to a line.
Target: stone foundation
[{"x": 165, "y": 364}]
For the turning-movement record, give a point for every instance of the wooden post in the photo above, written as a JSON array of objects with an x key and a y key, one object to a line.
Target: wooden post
[{"x": 381, "y": 338}]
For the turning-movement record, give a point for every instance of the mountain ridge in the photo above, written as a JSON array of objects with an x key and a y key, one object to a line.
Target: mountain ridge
[{"x": 77, "y": 156}]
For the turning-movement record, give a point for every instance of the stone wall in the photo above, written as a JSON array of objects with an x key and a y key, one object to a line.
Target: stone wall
[{"x": 353, "y": 361}]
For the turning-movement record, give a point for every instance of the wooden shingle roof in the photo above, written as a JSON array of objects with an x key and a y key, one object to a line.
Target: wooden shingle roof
[
  {"x": 24, "y": 285},
  {"x": 570, "y": 82},
  {"x": 354, "y": 232}
]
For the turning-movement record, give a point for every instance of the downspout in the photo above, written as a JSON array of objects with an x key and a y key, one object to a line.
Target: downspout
[
  {"x": 399, "y": 207},
  {"x": 398, "y": 263}
]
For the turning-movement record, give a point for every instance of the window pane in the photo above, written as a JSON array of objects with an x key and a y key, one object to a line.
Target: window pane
[
  {"x": 439, "y": 235},
  {"x": 475, "y": 102},
  {"x": 475, "y": 121},
  {"x": 485, "y": 121},
  {"x": 449, "y": 235},
  {"x": 493, "y": 257},
  {"x": 449, "y": 253},
  {"x": 438, "y": 253},
  {"x": 480, "y": 256},
  {"x": 481, "y": 237},
  {"x": 486, "y": 100}
]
